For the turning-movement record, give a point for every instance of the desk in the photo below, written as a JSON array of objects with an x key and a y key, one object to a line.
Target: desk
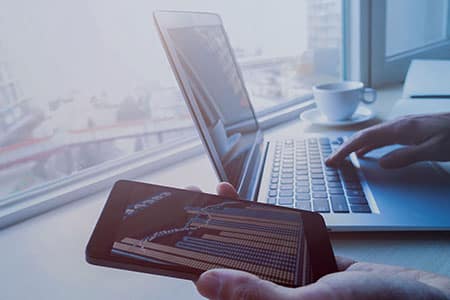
[{"x": 43, "y": 258}]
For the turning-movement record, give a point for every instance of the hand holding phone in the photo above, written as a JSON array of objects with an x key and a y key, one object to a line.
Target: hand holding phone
[{"x": 180, "y": 233}]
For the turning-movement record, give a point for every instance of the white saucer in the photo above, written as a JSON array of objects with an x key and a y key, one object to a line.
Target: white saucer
[{"x": 314, "y": 116}]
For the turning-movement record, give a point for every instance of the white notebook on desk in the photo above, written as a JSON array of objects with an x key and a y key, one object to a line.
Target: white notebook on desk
[
  {"x": 427, "y": 79},
  {"x": 426, "y": 88}
]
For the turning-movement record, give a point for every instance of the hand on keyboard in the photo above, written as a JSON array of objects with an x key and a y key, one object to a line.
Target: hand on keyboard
[
  {"x": 300, "y": 180},
  {"x": 426, "y": 137}
]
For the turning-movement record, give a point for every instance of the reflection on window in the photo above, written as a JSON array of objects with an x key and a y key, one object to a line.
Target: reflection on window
[{"x": 85, "y": 82}]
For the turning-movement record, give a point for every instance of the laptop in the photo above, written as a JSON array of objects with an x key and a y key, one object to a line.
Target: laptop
[{"x": 360, "y": 196}]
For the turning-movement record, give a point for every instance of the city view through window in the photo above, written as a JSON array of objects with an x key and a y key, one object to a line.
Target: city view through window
[{"x": 85, "y": 82}]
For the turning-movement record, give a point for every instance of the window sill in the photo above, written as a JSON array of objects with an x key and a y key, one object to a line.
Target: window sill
[
  {"x": 27, "y": 204},
  {"x": 284, "y": 113}
]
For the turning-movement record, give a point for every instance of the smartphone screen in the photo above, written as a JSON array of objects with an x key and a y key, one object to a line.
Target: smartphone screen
[{"x": 197, "y": 232}]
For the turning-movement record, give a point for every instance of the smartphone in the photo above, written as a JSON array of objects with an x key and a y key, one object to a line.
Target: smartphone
[{"x": 180, "y": 233}]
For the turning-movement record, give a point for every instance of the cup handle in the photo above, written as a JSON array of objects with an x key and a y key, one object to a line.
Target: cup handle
[{"x": 372, "y": 93}]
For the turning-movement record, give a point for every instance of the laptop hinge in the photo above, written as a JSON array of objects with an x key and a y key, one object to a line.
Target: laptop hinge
[
  {"x": 259, "y": 172},
  {"x": 250, "y": 182}
]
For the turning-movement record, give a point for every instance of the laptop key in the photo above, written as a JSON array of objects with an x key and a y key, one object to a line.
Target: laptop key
[
  {"x": 288, "y": 187},
  {"x": 320, "y": 195},
  {"x": 336, "y": 191},
  {"x": 302, "y": 183},
  {"x": 352, "y": 193},
  {"x": 337, "y": 198},
  {"x": 316, "y": 176},
  {"x": 318, "y": 181},
  {"x": 285, "y": 201},
  {"x": 316, "y": 165},
  {"x": 360, "y": 208},
  {"x": 286, "y": 193},
  {"x": 286, "y": 180},
  {"x": 273, "y": 186},
  {"x": 303, "y": 205},
  {"x": 319, "y": 188},
  {"x": 334, "y": 185},
  {"x": 302, "y": 197},
  {"x": 339, "y": 205},
  {"x": 274, "y": 180},
  {"x": 302, "y": 189},
  {"x": 272, "y": 193},
  {"x": 271, "y": 200},
  {"x": 321, "y": 206},
  {"x": 357, "y": 200},
  {"x": 333, "y": 179}
]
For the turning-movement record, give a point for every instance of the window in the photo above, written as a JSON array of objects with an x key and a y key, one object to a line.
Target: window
[
  {"x": 392, "y": 32},
  {"x": 84, "y": 83}
]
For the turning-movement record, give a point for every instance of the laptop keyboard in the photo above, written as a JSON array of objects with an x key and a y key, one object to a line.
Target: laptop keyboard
[{"x": 300, "y": 178}]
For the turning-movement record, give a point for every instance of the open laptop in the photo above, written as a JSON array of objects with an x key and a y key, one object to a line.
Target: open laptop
[{"x": 290, "y": 172}]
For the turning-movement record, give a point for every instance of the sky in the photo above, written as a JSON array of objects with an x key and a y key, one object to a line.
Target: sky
[{"x": 58, "y": 46}]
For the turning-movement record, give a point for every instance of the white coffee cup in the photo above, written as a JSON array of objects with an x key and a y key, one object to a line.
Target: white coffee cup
[{"x": 338, "y": 101}]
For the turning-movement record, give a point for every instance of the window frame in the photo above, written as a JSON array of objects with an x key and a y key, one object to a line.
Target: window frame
[
  {"x": 366, "y": 27},
  {"x": 356, "y": 41}
]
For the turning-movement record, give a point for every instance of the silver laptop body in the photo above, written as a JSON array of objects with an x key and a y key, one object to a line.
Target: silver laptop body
[{"x": 411, "y": 198}]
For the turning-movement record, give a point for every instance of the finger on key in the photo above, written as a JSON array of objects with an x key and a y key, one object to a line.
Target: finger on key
[{"x": 376, "y": 136}]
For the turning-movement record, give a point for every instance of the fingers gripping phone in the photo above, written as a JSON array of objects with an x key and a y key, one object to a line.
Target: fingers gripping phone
[{"x": 179, "y": 233}]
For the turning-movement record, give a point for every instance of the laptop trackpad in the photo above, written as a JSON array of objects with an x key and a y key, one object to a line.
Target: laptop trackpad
[{"x": 418, "y": 191}]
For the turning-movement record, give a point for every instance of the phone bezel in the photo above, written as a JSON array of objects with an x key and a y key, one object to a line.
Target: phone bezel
[{"x": 98, "y": 249}]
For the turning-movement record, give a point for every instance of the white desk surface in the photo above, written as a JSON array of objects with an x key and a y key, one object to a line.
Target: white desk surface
[{"x": 43, "y": 258}]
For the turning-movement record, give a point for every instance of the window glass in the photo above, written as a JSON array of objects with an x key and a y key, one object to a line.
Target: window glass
[
  {"x": 85, "y": 82},
  {"x": 412, "y": 24}
]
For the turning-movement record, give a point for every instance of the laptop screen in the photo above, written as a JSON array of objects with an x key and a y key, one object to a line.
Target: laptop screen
[{"x": 213, "y": 77}]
